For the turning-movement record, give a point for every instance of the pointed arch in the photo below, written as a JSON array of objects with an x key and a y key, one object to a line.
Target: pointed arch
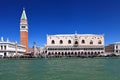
[
  {"x": 61, "y": 41},
  {"x": 69, "y": 41},
  {"x": 83, "y": 41},
  {"x": 76, "y": 42},
  {"x": 52, "y": 42},
  {"x": 99, "y": 42}
]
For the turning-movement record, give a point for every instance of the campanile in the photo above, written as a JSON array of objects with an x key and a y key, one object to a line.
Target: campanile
[{"x": 24, "y": 30}]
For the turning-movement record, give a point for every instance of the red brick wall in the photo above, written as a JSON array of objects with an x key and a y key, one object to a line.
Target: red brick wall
[{"x": 24, "y": 39}]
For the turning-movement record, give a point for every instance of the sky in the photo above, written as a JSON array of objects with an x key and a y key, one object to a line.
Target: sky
[{"x": 60, "y": 17}]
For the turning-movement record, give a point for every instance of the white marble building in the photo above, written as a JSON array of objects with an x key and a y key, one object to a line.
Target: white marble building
[
  {"x": 10, "y": 49},
  {"x": 74, "y": 45},
  {"x": 116, "y": 48}
]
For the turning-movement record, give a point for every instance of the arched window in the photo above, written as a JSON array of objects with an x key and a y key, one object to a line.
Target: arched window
[
  {"x": 76, "y": 42},
  {"x": 81, "y": 53},
  {"x": 55, "y": 53},
  {"x": 98, "y": 52},
  {"x": 62, "y": 53},
  {"x": 52, "y": 42},
  {"x": 5, "y": 47},
  {"x": 75, "y": 53},
  {"x": 65, "y": 53},
  {"x": 61, "y": 42},
  {"x": 68, "y": 53},
  {"x": 71, "y": 53},
  {"x": 116, "y": 46},
  {"x": 58, "y": 53},
  {"x": 69, "y": 41},
  {"x": 49, "y": 53},
  {"x": 99, "y": 42},
  {"x": 91, "y": 42},
  {"x": 1, "y": 47},
  {"x": 83, "y": 41}
]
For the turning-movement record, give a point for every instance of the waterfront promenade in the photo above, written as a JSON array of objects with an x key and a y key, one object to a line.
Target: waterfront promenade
[{"x": 73, "y": 56}]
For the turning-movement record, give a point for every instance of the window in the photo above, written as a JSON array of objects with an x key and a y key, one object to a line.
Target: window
[
  {"x": 5, "y": 47},
  {"x": 23, "y": 26},
  {"x": 76, "y": 42},
  {"x": 52, "y": 42},
  {"x": 49, "y": 53},
  {"x": 1, "y": 47},
  {"x": 69, "y": 41},
  {"x": 5, "y": 54},
  {"x": 99, "y": 42},
  {"x": 116, "y": 47},
  {"x": 83, "y": 41},
  {"x": 91, "y": 42},
  {"x": 61, "y": 42}
]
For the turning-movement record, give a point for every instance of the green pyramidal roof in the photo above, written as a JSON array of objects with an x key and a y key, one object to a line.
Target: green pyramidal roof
[{"x": 23, "y": 15}]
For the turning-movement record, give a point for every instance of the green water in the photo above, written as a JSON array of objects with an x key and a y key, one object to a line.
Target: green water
[{"x": 60, "y": 69}]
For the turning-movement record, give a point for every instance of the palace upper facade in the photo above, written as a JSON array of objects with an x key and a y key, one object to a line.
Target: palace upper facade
[{"x": 75, "y": 40}]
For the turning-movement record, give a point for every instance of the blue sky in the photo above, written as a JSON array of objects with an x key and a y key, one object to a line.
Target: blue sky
[{"x": 61, "y": 17}]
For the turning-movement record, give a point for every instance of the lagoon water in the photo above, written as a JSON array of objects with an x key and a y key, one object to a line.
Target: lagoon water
[{"x": 60, "y": 69}]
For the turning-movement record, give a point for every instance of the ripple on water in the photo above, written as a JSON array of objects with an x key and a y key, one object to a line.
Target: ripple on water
[{"x": 60, "y": 69}]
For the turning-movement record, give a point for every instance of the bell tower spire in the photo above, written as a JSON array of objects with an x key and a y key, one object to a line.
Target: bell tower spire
[
  {"x": 24, "y": 30},
  {"x": 23, "y": 17}
]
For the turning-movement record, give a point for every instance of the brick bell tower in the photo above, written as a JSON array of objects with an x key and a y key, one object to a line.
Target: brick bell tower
[{"x": 24, "y": 30}]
